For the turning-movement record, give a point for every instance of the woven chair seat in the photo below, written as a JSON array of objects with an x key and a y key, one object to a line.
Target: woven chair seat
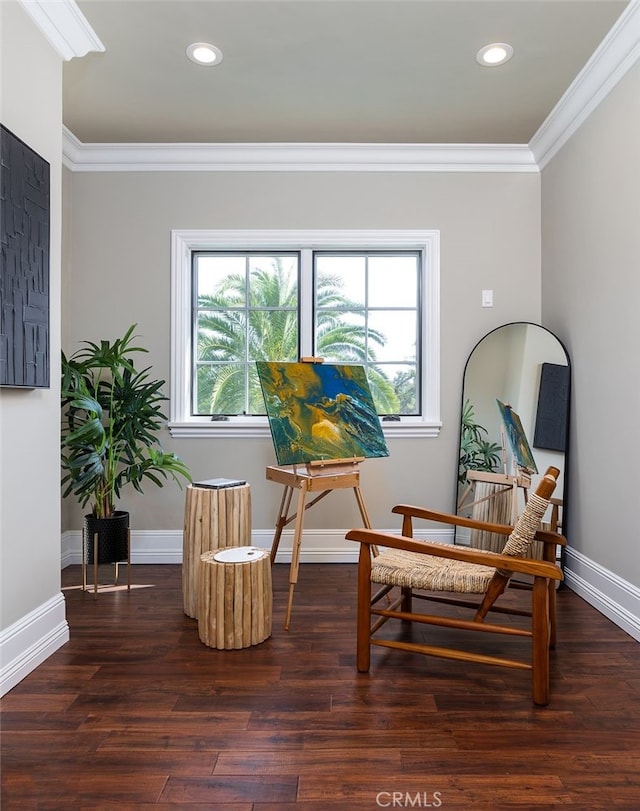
[{"x": 396, "y": 567}]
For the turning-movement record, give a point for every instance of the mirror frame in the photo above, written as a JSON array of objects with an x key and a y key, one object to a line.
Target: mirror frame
[{"x": 565, "y": 471}]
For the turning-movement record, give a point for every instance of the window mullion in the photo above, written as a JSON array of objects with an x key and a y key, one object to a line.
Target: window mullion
[
  {"x": 306, "y": 303},
  {"x": 247, "y": 328},
  {"x": 366, "y": 312}
]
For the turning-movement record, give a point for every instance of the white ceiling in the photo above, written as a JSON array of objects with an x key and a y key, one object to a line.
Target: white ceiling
[{"x": 328, "y": 71}]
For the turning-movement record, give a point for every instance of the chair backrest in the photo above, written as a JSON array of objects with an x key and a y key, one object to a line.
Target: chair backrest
[{"x": 529, "y": 522}]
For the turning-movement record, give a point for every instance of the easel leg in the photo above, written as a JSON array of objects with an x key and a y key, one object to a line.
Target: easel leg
[
  {"x": 463, "y": 498},
  {"x": 514, "y": 503},
  {"x": 295, "y": 553},
  {"x": 365, "y": 516},
  {"x": 282, "y": 521},
  {"x": 362, "y": 507}
]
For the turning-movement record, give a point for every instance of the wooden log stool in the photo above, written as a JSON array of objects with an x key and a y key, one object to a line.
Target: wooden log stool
[
  {"x": 234, "y": 597},
  {"x": 213, "y": 518}
]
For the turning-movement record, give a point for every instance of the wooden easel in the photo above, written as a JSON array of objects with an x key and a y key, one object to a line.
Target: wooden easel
[
  {"x": 321, "y": 477},
  {"x": 519, "y": 478},
  {"x": 508, "y": 482}
]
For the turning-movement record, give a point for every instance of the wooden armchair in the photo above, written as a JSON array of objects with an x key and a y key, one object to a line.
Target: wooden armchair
[{"x": 417, "y": 567}]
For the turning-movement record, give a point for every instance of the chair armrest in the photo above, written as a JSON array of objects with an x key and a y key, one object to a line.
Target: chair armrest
[
  {"x": 545, "y": 536},
  {"x": 410, "y": 511},
  {"x": 538, "y": 568}
]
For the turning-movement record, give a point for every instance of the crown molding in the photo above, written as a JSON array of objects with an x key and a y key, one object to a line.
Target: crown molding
[
  {"x": 615, "y": 55},
  {"x": 81, "y": 157},
  {"x": 64, "y": 25}
]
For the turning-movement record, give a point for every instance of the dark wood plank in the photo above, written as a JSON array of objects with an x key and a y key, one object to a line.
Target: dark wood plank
[
  {"x": 135, "y": 713},
  {"x": 239, "y": 788},
  {"x": 465, "y": 791}
]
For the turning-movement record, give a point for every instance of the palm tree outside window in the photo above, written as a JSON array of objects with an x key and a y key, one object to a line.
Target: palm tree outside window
[{"x": 361, "y": 307}]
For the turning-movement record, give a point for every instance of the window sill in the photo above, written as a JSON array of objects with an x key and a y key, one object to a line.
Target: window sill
[{"x": 258, "y": 428}]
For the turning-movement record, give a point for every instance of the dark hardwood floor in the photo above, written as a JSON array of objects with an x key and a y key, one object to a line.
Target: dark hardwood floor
[{"x": 135, "y": 713}]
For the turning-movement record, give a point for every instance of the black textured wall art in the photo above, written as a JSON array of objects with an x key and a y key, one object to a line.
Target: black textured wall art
[
  {"x": 24, "y": 264},
  {"x": 553, "y": 408}
]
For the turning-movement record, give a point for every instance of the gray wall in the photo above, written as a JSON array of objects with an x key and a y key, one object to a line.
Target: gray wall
[
  {"x": 591, "y": 297},
  {"x": 31, "y": 95},
  {"x": 119, "y": 273}
]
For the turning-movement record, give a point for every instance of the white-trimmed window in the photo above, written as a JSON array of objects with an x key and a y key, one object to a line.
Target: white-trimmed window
[{"x": 369, "y": 297}]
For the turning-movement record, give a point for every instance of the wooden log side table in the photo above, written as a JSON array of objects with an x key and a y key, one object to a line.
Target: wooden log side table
[
  {"x": 212, "y": 519},
  {"x": 235, "y": 597},
  {"x": 294, "y": 478}
]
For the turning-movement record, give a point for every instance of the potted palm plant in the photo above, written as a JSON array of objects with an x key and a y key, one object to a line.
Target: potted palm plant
[
  {"x": 111, "y": 418},
  {"x": 476, "y": 452}
]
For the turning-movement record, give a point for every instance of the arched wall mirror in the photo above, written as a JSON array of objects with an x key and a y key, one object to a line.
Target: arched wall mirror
[{"x": 527, "y": 369}]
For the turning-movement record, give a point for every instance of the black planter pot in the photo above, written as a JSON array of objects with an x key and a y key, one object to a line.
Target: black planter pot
[{"x": 113, "y": 537}]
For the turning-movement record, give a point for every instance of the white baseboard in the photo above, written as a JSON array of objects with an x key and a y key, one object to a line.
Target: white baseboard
[
  {"x": 28, "y": 642},
  {"x": 609, "y": 593},
  {"x": 165, "y": 546},
  {"x": 147, "y": 546}
]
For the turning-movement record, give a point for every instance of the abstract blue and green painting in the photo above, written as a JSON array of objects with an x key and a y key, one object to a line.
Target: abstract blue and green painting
[
  {"x": 320, "y": 411},
  {"x": 517, "y": 438}
]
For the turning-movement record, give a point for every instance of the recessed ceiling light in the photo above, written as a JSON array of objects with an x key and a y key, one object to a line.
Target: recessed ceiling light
[
  {"x": 497, "y": 53},
  {"x": 202, "y": 53}
]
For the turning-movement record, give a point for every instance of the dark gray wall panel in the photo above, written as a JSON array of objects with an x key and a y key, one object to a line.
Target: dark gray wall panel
[{"x": 24, "y": 264}]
